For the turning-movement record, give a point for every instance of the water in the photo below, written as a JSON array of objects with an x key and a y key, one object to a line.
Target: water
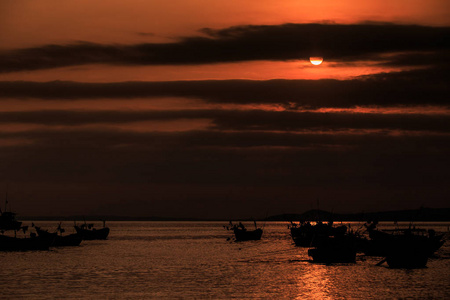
[{"x": 194, "y": 260}]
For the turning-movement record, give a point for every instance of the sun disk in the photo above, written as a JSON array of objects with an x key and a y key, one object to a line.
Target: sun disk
[{"x": 316, "y": 60}]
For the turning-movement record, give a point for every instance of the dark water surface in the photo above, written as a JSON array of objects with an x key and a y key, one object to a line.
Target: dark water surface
[{"x": 192, "y": 260}]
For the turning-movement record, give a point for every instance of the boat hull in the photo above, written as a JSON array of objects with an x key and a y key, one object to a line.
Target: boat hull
[
  {"x": 58, "y": 240},
  {"x": 8, "y": 243},
  {"x": 381, "y": 243},
  {"x": 68, "y": 240},
  {"x": 407, "y": 252},
  {"x": 332, "y": 250},
  {"x": 408, "y": 260},
  {"x": 247, "y": 235}
]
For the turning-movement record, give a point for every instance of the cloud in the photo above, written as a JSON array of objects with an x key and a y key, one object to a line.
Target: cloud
[
  {"x": 438, "y": 60},
  {"x": 241, "y": 43},
  {"x": 177, "y": 167},
  {"x": 103, "y": 139},
  {"x": 418, "y": 87},
  {"x": 242, "y": 120},
  {"x": 204, "y": 159}
]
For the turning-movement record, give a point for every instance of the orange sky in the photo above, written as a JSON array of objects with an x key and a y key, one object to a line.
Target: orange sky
[
  {"x": 34, "y": 23},
  {"x": 257, "y": 70},
  {"x": 31, "y": 23},
  {"x": 94, "y": 114}
]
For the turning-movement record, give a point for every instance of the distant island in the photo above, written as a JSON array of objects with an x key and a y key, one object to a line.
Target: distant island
[{"x": 422, "y": 214}]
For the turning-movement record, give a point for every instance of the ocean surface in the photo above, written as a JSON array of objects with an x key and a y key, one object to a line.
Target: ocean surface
[{"x": 198, "y": 260}]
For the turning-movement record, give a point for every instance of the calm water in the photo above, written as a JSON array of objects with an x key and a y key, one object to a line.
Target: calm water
[{"x": 173, "y": 260}]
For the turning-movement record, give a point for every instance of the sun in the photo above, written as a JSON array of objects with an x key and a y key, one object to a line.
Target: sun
[{"x": 316, "y": 60}]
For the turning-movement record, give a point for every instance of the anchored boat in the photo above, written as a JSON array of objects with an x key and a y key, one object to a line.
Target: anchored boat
[
  {"x": 88, "y": 232},
  {"x": 59, "y": 239},
  {"x": 242, "y": 234}
]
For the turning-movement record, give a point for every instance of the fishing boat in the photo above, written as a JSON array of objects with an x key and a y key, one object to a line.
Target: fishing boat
[
  {"x": 88, "y": 232},
  {"x": 382, "y": 241},
  {"x": 242, "y": 234},
  {"x": 248, "y": 235},
  {"x": 8, "y": 222},
  {"x": 59, "y": 239}
]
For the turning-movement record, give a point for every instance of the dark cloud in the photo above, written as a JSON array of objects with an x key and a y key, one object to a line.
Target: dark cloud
[
  {"x": 419, "y": 87},
  {"x": 181, "y": 167},
  {"x": 438, "y": 60},
  {"x": 241, "y": 43},
  {"x": 293, "y": 121},
  {"x": 243, "y": 119},
  {"x": 103, "y": 139}
]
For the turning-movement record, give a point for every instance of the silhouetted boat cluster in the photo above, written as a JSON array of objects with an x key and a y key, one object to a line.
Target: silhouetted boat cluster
[
  {"x": 400, "y": 248},
  {"x": 327, "y": 243},
  {"x": 43, "y": 239},
  {"x": 403, "y": 248}
]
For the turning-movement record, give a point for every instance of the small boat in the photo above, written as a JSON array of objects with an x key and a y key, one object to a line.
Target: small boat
[
  {"x": 340, "y": 249},
  {"x": 88, "y": 232},
  {"x": 247, "y": 235},
  {"x": 9, "y": 243},
  {"x": 242, "y": 234},
  {"x": 8, "y": 222},
  {"x": 59, "y": 239}
]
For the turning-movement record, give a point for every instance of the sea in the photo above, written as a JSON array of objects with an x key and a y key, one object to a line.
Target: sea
[{"x": 201, "y": 260}]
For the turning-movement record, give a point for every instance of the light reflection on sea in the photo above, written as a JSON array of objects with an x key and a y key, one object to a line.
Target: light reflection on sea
[{"x": 167, "y": 260}]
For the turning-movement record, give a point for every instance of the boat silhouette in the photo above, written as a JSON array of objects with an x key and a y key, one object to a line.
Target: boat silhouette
[
  {"x": 242, "y": 234},
  {"x": 403, "y": 248},
  {"x": 381, "y": 241},
  {"x": 89, "y": 232},
  {"x": 59, "y": 240},
  {"x": 8, "y": 222},
  {"x": 9, "y": 243}
]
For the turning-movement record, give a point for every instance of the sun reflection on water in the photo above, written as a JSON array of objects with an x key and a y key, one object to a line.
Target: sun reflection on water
[{"x": 314, "y": 284}]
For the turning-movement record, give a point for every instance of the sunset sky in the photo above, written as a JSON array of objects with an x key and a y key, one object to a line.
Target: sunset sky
[{"x": 212, "y": 109}]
